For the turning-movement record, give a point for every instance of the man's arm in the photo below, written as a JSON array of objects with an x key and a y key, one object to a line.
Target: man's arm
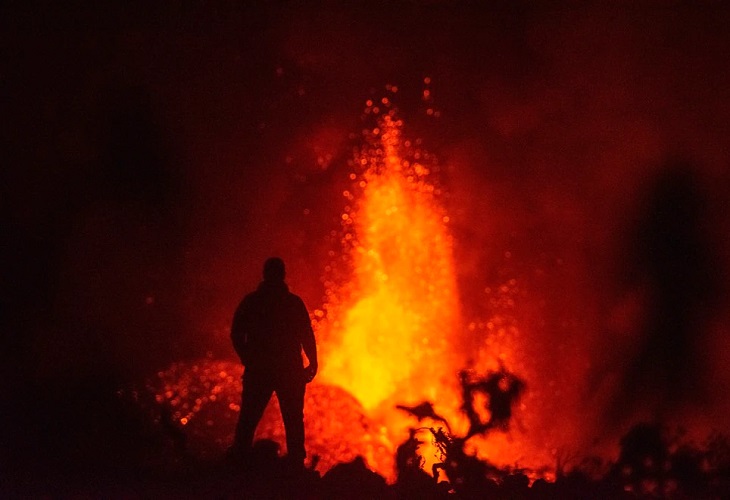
[
  {"x": 238, "y": 332},
  {"x": 310, "y": 348},
  {"x": 309, "y": 344}
]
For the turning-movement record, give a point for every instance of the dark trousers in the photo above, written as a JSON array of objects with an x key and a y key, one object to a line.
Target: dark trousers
[{"x": 257, "y": 390}]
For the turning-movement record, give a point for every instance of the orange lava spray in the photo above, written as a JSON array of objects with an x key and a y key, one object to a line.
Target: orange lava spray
[{"x": 390, "y": 328}]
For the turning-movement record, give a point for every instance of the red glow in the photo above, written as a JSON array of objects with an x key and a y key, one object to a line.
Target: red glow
[
  {"x": 389, "y": 333},
  {"x": 392, "y": 332}
]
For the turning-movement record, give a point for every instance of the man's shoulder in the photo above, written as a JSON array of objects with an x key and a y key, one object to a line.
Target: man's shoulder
[
  {"x": 248, "y": 299},
  {"x": 257, "y": 296},
  {"x": 294, "y": 297}
]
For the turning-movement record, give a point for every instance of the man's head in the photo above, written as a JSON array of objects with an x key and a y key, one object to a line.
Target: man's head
[{"x": 274, "y": 269}]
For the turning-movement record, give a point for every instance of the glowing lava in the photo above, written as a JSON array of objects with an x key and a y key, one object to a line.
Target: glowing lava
[{"x": 403, "y": 303}]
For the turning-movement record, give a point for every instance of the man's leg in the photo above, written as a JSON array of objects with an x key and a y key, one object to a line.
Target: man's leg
[
  {"x": 257, "y": 390},
  {"x": 291, "y": 402}
]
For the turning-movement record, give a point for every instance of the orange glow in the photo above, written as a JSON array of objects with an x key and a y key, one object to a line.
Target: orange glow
[
  {"x": 390, "y": 332},
  {"x": 389, "y": 335},
  {"x": 402, "y": 294}
]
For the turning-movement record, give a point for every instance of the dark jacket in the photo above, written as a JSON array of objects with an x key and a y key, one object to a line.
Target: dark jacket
[{"x": 270, "y": 328}]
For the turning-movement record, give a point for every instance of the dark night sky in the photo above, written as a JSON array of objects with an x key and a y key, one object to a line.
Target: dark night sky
[{"x": 154, "y": 156}]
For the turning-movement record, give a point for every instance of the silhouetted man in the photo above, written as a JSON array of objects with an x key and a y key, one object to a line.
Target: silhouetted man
[{"x": 270, "y": 328}]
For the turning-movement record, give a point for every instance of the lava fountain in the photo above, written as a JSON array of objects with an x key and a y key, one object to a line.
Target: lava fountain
[
  {"x": 391, "y": 323},
  {"x": 389, "y": 338}
]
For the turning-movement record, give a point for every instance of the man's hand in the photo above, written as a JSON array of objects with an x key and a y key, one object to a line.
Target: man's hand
[{"x": 310, "y": 371}]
